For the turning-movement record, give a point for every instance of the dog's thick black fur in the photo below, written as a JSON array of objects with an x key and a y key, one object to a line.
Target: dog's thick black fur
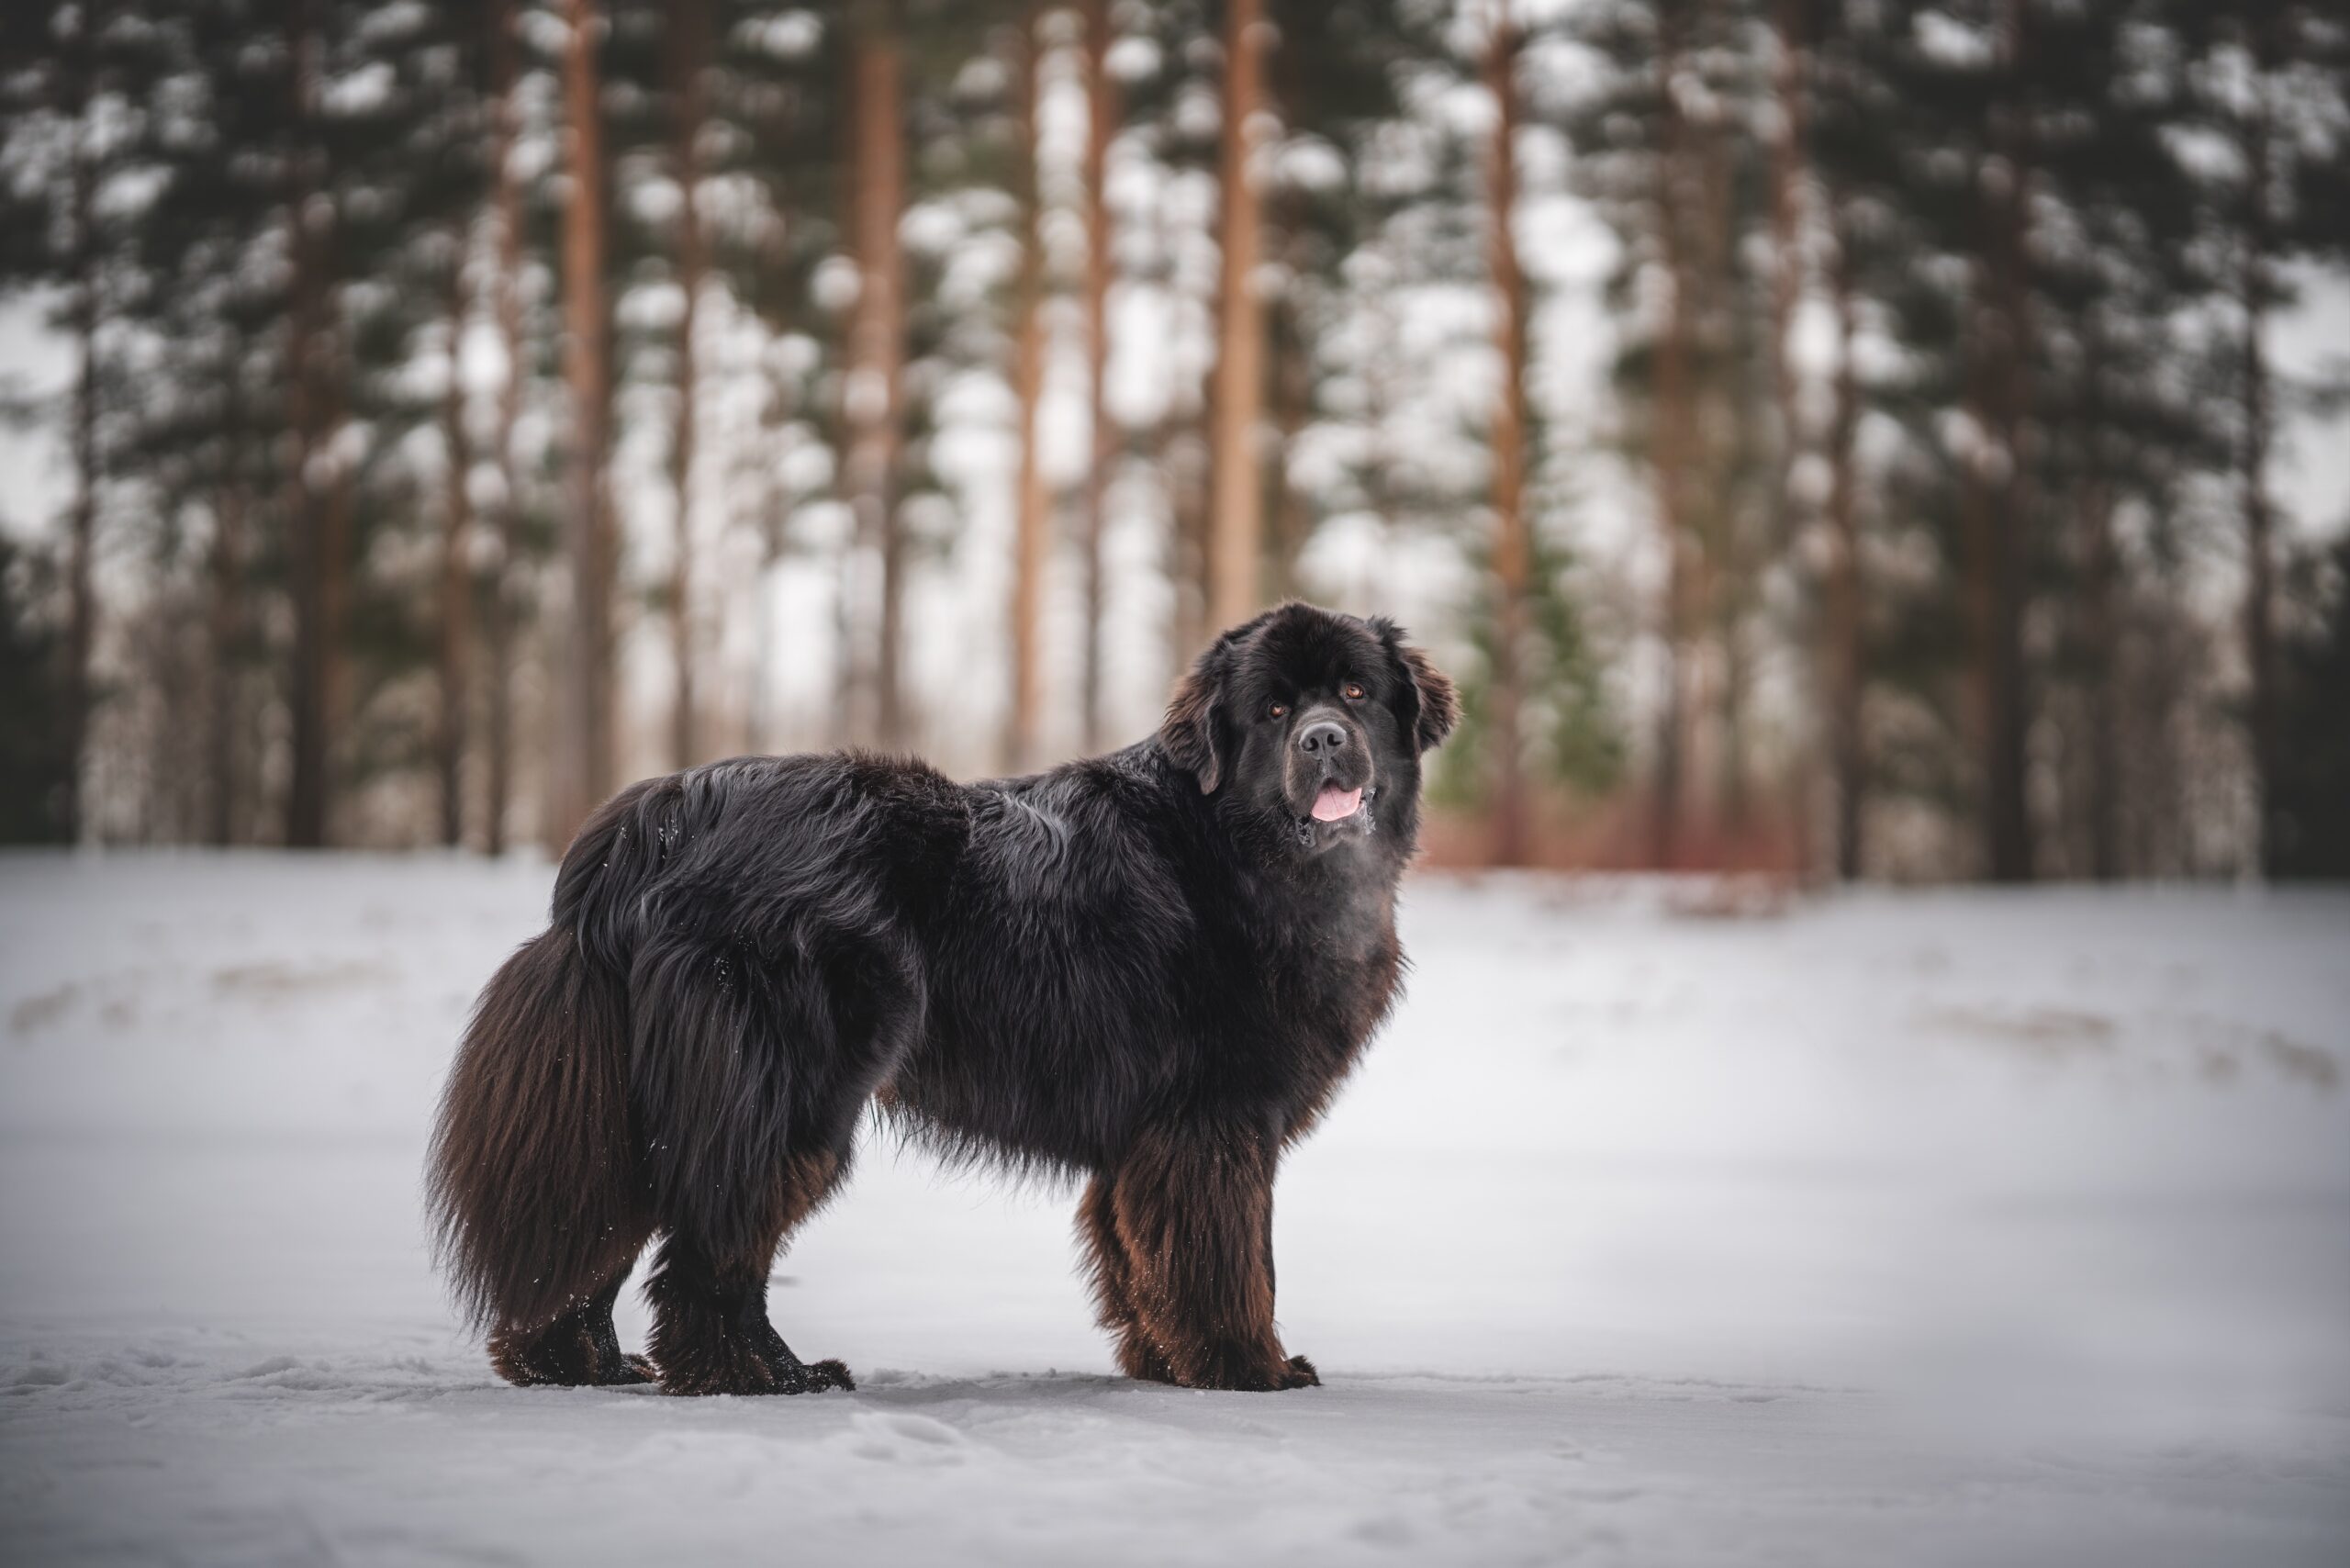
[{"x": 1151, "y": 969}]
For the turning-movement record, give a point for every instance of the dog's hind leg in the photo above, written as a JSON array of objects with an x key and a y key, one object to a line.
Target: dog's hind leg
[
  {"x": 711, "y": 1331},
  {"x": 750, "y": 1071},
  {"x": 1112, "y": 1274}
]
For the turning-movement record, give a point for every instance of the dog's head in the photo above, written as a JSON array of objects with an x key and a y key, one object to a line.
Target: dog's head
[{"x": 1312, "y": 723}]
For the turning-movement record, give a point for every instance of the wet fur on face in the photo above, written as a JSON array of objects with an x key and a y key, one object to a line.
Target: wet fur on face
[{"x": 1150, "y": 971}]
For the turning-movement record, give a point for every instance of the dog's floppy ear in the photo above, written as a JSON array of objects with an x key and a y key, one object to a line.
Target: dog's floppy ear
[
  {"x": 1425, "y": 699},
  {"x": 1189, "y": 731}
]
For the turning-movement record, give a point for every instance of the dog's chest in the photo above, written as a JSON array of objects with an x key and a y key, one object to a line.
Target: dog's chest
[{"x": 1335, "y": 984}]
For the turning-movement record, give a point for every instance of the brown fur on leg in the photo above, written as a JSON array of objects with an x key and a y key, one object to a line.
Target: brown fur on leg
[
  {"x": 1192, "y": 1208},
  {"x": 711, "y": 1331},
  {"x": 579, "y": 1349},
  {"x": 1107, "y": 1268}
]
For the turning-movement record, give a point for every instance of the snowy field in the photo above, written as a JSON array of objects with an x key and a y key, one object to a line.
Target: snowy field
[{"x": 1661, "y": 1228}]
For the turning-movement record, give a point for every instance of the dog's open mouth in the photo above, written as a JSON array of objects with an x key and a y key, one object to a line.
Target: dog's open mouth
[{"x": 1335, "y": 805}]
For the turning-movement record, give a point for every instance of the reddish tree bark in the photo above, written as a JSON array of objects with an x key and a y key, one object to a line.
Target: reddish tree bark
[
  {"x": 876, "y": 356},
  {"x": 1102, "y": 112},
  {"x": 1031, "y": 539},
  {"x": 688, "y": 34},
  {"x": 584, "y": 768},
  {"x": 1513, "y": 548},
  {"x": 1236, "y": 506}
]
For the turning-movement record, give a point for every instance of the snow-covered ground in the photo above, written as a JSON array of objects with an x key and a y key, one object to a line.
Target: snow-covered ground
[{"x": 1661, "y": 1228}]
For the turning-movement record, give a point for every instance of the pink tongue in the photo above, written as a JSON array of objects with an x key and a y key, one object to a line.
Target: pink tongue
[{"x": 1334, "y": 804}]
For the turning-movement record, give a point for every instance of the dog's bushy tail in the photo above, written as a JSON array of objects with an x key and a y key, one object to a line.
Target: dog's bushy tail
[
  {"x": 532, "y": 1184},
  {"x": 531, "y": 1180}
]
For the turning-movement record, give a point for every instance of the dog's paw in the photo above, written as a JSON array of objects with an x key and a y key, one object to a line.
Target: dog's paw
[
  {"x": 796, "y": 1376},
  {"x": 813, "y": 1377},
  {"x": 746, "y": 1378},
  {"x": 1254, "y": 1373},
  {"x": 1140, "y": 1359},
  {"x": 718, "y": 1366},
  {"x": 567, "y": 1355}
]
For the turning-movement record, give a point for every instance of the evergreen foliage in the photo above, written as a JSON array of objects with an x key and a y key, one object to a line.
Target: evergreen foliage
[{"x": 1938, "y": 395}]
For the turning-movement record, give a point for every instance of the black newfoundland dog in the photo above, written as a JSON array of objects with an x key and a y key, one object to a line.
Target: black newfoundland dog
[{"x": 1151, "y": 967}]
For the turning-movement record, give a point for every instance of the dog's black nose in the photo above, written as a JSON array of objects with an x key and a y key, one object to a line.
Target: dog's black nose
[{"x": 1325, "y": 738}]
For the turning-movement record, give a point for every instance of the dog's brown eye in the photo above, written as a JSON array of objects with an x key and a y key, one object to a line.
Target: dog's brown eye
[
  {"x": 1278, "y": 711},
  {"x": 1354, "y": 691}
]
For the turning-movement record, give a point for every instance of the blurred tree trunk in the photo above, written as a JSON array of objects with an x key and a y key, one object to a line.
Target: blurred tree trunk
[
  {"x": 1289, "y": 396},
  {"x": 226, "y": 630},
  {"x": 1722, "y": 447},
  {"x": 1031, "y": 506},
  {"x": 875, "y": 358},
  {"x": 2101, "y": 631},
  {"x": 1848, "y": 759},
  {"x": 1790, "y": 79},
  {"x": 457, "y": 570},
  {"x": 584, "y": 764},
  {"x": 1997, "y": 504},
  {"x": 313, "y": 523},
  {"x": 81, "y": 627},
  {"x": 1716, "y": 422},
  {"x": 1671, "y": 449},
  {"x": 499, "y": 620},
  {"x": 1512, "y": 547},
  {"x": 688, "y": 31},
  {"x": 1180, "y": 442},
  {"x": 81, "y": 589},
  {"x": 773, "y": 519},
  {"x": 1102, "y": 112},
  {"x": 1236, "y": 521},
  {"x": 1183, "y": 456},
  {"x": 339, "y": 575},
  {"x": 2258, "y": 244},
  {"x": 1790, "y": 87},
  {"x": 2099, "y": 636}
]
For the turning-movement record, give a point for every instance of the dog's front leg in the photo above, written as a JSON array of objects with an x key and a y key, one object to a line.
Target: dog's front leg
[
  {"x": 1112, "y": 1278},
  {"x": 1193, "y": 1208}
]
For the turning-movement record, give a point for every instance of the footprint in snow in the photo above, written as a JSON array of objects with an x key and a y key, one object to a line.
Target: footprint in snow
[
  {"x": 269, "y": 1368},
  {"x": 42, "y": 1374},
  {"x": 904, "y": 1437}
]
